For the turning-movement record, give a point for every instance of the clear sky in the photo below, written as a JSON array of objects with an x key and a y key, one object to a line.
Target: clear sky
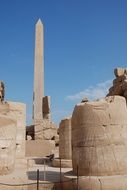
[{"x": 84, "y": 41}]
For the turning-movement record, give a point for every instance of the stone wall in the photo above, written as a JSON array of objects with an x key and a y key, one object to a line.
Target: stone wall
[
  {"x": 39, "y": 148},
  {"x": 18, "y": 112},
  {"x": 7, "y": 144},
  {"x": 45, "y": 130}
]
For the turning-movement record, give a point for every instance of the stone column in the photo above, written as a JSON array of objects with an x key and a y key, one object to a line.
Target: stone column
[
  {"x": 99, "y": 145},
  {"x": 99, "y": 137},
  {"x": 65, "y": 149}
]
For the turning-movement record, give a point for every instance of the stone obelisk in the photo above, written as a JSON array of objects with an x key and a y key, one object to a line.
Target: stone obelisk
[{"x": 38, "y": 74}]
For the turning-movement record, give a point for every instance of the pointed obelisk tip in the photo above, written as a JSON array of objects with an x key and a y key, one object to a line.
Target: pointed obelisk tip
[{"x": 39, "y": 22}]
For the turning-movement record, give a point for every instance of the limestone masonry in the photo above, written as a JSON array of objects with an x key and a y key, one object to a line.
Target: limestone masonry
[{"x": 12, "y": 133}]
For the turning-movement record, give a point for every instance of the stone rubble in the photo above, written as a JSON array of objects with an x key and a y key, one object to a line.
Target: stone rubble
[{"x": 119, "y": 83}]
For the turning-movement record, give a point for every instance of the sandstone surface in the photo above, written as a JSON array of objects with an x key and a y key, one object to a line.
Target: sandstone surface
[
  {"x": 119, "y": 72},
  {"x": 65, "y": 151},
  {"x": 45, "y": 130},
  {"x": 119, "y": 83},
  {"x": 7, "y": 144},
  {"x": 17, "y": 111},
  {"x": 99, "y": 137},
  {"x": 39, "y": 148}
]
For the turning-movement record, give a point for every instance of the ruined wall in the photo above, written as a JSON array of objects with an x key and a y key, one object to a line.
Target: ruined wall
[
  {"x": 12, "y": 133},
  {"x": 7, "y": 144},
  {"x": 39, "y": 148},
  {"x": 119, "y": 83},
  {"x": 45, "y": 129},
  {"x": 18, "y": 111},
  {"x": 99, "y": 137}
]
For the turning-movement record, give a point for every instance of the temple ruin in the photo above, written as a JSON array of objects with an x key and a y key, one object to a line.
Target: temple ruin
[
  {"x": 119, "y": 83},
  {"x": 90, "y": 152}
]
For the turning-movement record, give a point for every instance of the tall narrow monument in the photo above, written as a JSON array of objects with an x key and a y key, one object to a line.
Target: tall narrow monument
[
  {"x": 43, "y": 126},
  {"x": 38, "y": 74}
]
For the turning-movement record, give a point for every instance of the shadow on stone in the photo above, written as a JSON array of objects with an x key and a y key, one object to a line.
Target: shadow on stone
[{"x": 49, "y": 175}]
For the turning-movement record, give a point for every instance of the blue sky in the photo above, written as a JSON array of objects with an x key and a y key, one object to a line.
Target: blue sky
[{"x": 84, "y": 41}]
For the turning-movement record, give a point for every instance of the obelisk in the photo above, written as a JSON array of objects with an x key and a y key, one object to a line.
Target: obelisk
[{"x": 38, "y": 74}]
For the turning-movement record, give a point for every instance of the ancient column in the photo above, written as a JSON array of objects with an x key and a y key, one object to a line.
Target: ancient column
[
  {"x": 65, "y": 149},
  {"x": 99, "y": 145},
  {"x": 38, "y": 74},
  {"x": 65, "y": 139}
]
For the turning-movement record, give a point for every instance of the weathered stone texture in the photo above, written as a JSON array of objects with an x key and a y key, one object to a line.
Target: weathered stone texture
[
  {"x": 45, "y": 130},
  {"x": 119, "y": 83},
  {"x": 116, "y": 182},
  {"x": 12, "y": 133},
  {"x": 39, "y": 148},
  {"x": 99, "y": 137},
  {"x": 18, "y": 112},
  {"x": 119, "y": 72},
  {"x": 65, "y": 151},
  {"x": 4, "y": 108},
  {"x": 7, "y": 144}
]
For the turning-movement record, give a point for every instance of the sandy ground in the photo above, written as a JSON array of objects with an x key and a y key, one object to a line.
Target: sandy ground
[
  {"x": 46, "y": 173},
  {"x": 28, "y": 175}
]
